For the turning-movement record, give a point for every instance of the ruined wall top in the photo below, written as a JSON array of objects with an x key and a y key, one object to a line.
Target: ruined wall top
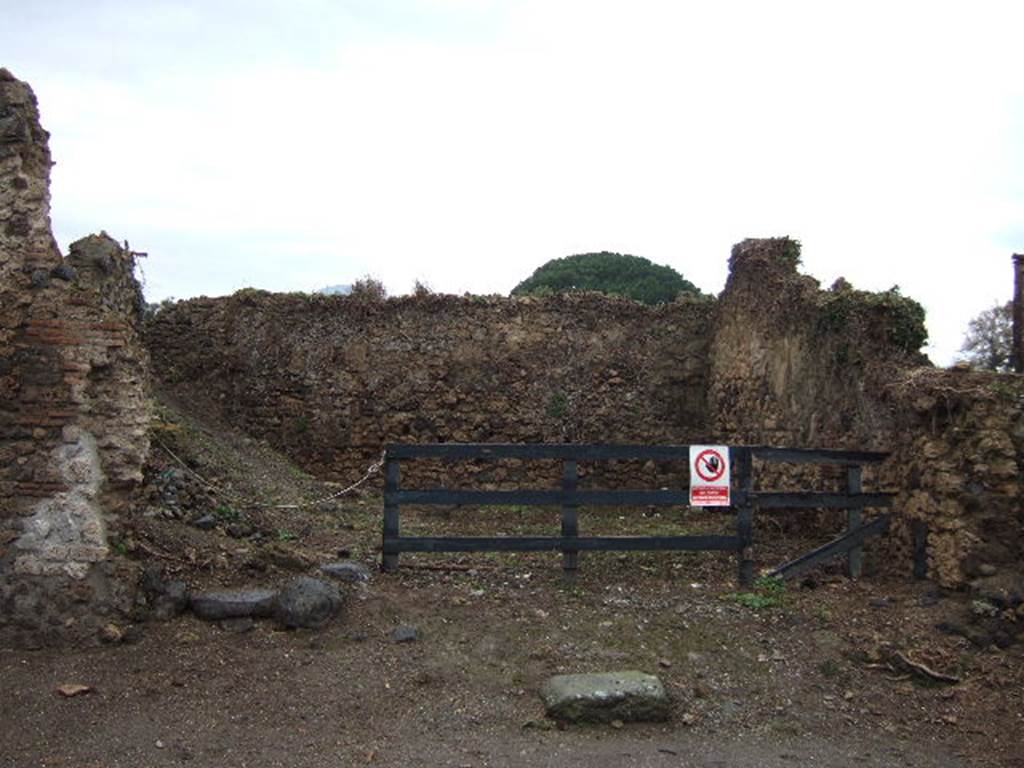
[{"x": 26, "y": 242}]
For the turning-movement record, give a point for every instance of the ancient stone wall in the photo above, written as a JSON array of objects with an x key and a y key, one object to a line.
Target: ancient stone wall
[
  {"x": 332, "y": 379},
  {"x": 74, "y": 407},
  {"x": 792, "y": 364},
  {"x": 774, "y": 360}
]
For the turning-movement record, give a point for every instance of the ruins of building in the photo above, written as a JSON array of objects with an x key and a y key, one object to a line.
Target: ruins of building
[{"x": 330, "y": 379}]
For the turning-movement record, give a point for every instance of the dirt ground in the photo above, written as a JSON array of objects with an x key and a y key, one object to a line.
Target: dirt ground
[{"x": 805, "y": 675}]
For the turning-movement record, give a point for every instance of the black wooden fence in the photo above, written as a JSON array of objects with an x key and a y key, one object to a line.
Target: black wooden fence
[{"x": 745, "y": 500}]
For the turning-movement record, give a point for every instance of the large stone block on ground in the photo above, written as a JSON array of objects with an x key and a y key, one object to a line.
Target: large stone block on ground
[
  {"x": 307, "y": 602},
  {"x": 233, "y": 604},
  {"x": 629, "y": 696}
]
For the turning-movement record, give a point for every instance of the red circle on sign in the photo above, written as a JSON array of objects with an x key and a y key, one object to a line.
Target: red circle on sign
[{"x": 709, "y": 465}]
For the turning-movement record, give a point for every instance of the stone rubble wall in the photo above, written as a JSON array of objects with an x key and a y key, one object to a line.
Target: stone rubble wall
[
  {"x": 774, "y": 360},
  {"x": 958, "y": 449},
  {"x": 794, "y": 365},
  {"x": 332, "y": 379},
  {"x": 74, "y": 405}
]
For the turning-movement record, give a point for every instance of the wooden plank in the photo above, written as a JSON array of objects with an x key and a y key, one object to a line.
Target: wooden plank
[
  {"x": 598, "y": 452},
  {"x": 570, "y": 516},
  {"x": 556, "y": 543},
  {"x": 834, "y": 548},
  {"x": 854, "y": 515},
  {"x": 811, "y": 499},
  {"x": 770, "y": 500},
  {"x": 745, "y": 514},
  {"x": 392, "y": 524},
  {"x": 812, "y": 456},
  {"x": 562, "y": 451},
  {"x": 542, "y": 498}
]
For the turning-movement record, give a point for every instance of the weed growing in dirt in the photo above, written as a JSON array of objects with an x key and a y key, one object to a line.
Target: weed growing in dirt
[
  {"x": 753, "y": 601},
  {"x": 226, "y": 514},
  {"x": 769, "y": 592},
  {"x": 829, "y": 668},
  {"x": 558, "y": 406},
  {"x": 285, "y": 535},
  {"x": 299, "y": 474},
  {"x": 773, "y": 586}
]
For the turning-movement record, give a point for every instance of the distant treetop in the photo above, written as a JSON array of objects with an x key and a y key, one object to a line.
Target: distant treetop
[{"x": 617, "y": 274}]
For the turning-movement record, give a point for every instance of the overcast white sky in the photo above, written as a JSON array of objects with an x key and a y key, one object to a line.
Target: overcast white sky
[{"x": 293, "y": 144}]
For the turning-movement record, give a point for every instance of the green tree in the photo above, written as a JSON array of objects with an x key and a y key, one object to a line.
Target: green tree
[
  {"x": 988, "y": 343},
  {"x": 613, "y": 273}
]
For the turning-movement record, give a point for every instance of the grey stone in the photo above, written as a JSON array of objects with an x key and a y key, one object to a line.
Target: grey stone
[
  {"x": 346, "y": 571},
  {"x": 205, "y": 523},
  {"x": 983, "y": 608},
  {"x": 167, "y": 598},
  {"x": 232, "y": 604},
  {"x": 240, "y": 530},
  {"x": 307, "y": 602},
  {"x": 1005, "y": 590},
  {"x": 64, "y": 272},
  {"x": 629, "y": 696},
  {"x": 40, "y": 278},
  {"x": 405, "y": 634},
  {"x": 174, "y": 599},
  {"x": 153, "y": 582}
]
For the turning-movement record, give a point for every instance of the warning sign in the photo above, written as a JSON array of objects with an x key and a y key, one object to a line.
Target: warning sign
[{"x": 709, "y": 475}]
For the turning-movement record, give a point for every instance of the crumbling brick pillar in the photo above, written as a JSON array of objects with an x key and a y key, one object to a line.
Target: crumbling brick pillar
[{"x": 74, "y": 409}]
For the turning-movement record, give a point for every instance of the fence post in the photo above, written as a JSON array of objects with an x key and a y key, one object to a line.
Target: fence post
[
  {"x": 570, "y": 516},
  {"x": 745, "y": 515},
  {"x": 854, "y": 520},
  {"x": 392, "y": 527}
]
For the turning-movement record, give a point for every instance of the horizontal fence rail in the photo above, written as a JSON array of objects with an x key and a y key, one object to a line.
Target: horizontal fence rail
[{"x": 744, "y": 500}]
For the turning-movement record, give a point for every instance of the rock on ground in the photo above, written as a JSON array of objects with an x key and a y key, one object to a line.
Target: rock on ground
[
  {"x": 346, "y": 571},
  {"x": 307, "y": 602},
  {"x": 233, "y": 604},
  {"x": 629, "y": 696},
  {"x": 405, "y": 634}
]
